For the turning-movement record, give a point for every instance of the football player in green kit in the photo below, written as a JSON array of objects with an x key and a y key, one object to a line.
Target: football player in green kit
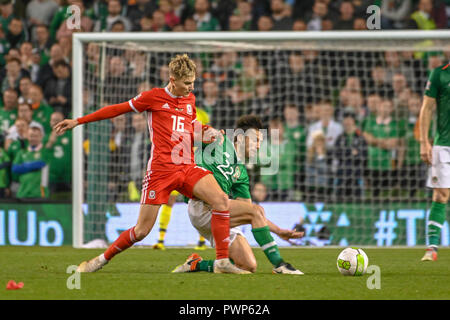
[
  {"x": 437, "y": 96},
  {"x": 226, "y": 163}
]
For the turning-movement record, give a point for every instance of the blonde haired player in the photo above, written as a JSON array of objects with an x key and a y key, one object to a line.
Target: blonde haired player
[{"x": 171, "y": 114}]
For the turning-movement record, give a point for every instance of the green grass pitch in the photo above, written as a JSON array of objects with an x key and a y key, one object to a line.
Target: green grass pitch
[{"x": 142, "y": 273}]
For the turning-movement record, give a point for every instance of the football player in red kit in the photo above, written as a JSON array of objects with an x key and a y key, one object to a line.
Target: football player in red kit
[{"x": 171, "y": 120}]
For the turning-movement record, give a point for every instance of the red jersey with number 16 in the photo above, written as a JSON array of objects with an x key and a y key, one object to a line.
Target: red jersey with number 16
[{"x": 171, "y": 127}]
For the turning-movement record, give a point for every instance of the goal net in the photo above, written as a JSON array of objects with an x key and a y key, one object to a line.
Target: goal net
[{"x": 344, "y": 107}]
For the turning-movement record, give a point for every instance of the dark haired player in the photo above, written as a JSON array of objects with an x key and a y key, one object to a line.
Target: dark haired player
[{"x": 226, "y": 163}]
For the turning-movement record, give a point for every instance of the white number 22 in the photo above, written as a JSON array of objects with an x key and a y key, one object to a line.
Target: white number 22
[{"x": 222, "y": 167}]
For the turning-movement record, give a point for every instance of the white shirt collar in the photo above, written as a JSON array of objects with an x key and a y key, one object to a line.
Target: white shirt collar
[{"x": 171, "y": 94}]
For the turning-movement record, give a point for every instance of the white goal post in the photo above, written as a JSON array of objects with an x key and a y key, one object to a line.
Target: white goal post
[{"x": 208, "y": 38}]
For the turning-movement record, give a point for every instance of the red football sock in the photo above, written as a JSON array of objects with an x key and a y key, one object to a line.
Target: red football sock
[
  {"x": 220, "y": 227},
  {"x": 124, "y": 241}
]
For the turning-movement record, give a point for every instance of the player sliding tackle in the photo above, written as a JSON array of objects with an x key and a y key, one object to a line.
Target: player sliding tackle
[
  {"x": 171, "y": 116},
  {"x": 225, "y": 161}
]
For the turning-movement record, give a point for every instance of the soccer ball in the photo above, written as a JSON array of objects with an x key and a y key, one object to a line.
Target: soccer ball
[{"x": 352, "y": 262}]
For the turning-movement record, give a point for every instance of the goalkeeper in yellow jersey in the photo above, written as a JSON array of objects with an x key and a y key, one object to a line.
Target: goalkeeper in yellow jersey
[{"x": 166, "y": 209}]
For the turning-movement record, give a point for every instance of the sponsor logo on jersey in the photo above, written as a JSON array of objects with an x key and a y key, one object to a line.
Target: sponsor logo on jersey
[
  {"x": 189, "y": 109},
  {"x": 152, "y": 194},
  {"x": 64, "y": 140},
  {"x": 237, "y": 174},
  {"x": 166, "y": 106}
]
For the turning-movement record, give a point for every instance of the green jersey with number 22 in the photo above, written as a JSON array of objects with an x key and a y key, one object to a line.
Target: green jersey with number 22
[{"x": 226, "y": 167}]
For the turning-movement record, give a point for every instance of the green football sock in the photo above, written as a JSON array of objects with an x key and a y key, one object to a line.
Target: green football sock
[
  {"x": 435, "y": 222},
  {"x": 205, "y": 265},
  {"x": 268, "y": 245}
]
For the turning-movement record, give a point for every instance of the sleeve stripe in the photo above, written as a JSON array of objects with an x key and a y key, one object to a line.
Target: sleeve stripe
[{"x": 132, "y": 107}]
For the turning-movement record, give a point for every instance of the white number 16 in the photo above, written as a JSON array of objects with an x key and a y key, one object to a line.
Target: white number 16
[{"x": 177, "y": 124}]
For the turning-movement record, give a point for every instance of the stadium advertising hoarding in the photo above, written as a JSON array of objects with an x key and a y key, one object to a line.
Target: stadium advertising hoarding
[
  {"x": 35, "y": 224},
  {"x": 348, "y": 224}
]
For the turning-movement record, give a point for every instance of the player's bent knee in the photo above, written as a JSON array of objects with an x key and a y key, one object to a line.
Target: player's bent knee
[
  {"x": 260, "y": 210},
  {"x": 221, "y": 203},
  {"x": 141, "y": 232},
  {"x": 248, "y": 265},
  {"x": 257, "y": 210},
  {"x": 257, "y": 215},
  {"x": 252, "y": 266}
]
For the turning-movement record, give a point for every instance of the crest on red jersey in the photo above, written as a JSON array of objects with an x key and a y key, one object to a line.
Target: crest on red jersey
[{"x": 189, "y": 109}]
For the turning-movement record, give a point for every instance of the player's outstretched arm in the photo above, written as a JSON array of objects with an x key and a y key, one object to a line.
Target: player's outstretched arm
[
  {"x": 206, "y": 133},
  {"x": 287, "y": 234},
  {"x": 284, "y": 234},
  {"x": 107, "y": 112},
  {"x": 239, "y": 216},
  {"x": 65, "y": 125}
]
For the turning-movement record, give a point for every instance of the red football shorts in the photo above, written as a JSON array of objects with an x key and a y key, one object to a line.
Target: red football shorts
[{"x": 158, "y": 185}]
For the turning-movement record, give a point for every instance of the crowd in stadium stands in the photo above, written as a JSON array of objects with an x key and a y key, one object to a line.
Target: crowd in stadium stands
[{"x": 348, "y": 139}]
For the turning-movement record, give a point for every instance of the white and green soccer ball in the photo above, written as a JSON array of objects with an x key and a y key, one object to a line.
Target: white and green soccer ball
[{"x": 352, "y": 262}]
